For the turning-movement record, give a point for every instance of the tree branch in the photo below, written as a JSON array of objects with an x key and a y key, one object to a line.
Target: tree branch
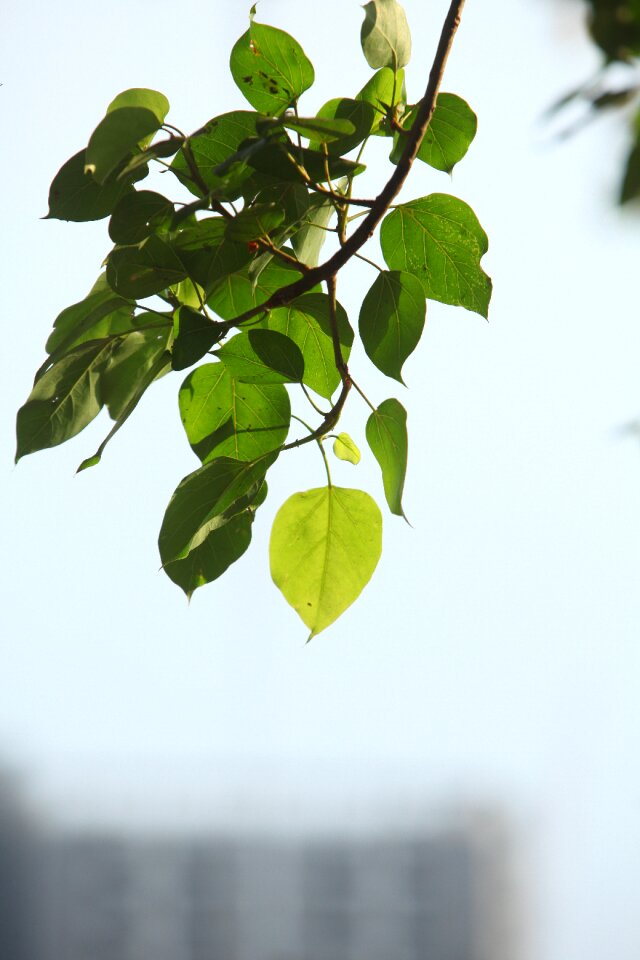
[{"x": 365, "y": 230}]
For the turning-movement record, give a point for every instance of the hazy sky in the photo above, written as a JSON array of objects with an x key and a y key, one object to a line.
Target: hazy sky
[{"x": 494, "y": 657}]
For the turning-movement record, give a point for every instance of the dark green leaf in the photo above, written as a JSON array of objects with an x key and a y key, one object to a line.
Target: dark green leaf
[
  {"x": 383, "y": 91},
  {"x": 307, "y": 322},
  {"x": 262, "y": 356},
  {"x": 392, "y": 320},
  {"x": 133, "y": 357},
  {"x": 452, "y": 128},
  {"x": 100, "y": 314},
  {"x": 145, "y": 269},
  {"x": 253, "y": 222},
  {"x": 387, "y": 437},
  {"x": 65, "y": 399},
  {"x": 127, "y": 391},
  {"x": 285, "y": 161},
  {"x": 631, "y": 182},
  {"x": 224, "y": 417},
  {"x": 75, "y": 195},
  {"x": 325, "y": 545},
  {"x": 385, "y": 35},
  {"x": 195, "y": 337},
  {"x": 211, "y": 147},
  {"x": 270, "y": 68},
  {"x": 163, "y": 148},
  {"x": 359, "y": 113},
  {"x": 440, "y": 241},
  {"x": 323, "y": 128},
  {"x": 131, "y": 120},
  {"x": 204, "y": 496},
  {"x": 207, "y": 253},
  {"x": 216, "y": 550},
  {"x": 139, "y": 214}
]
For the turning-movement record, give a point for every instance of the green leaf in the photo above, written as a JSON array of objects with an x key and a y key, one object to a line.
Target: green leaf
[
  {"x": 133, "y": 357},
  {"x": 391, "y": 320},
  {"x": 262, "y": 356},
  {"x": 270, "y": 68},
  {"x": 64, "y": 400},
  {"x": 310, "y": 238},
  {"x": 211, "y": 147},
  {"x": 282, "y": 160},
  {"x": 139, "y": 214},
  {"x": 207, "y": 253},
  {"x": 385, "y": 35},
  {"x": 126, "y": 392},
  {"x": 448, "y": 137},
  {"x": 344, "y": 448},
  {"x": 325, "y": 545},
  {"x": 143, "y": 270},
  {"x": 214, "y": 554},
  {"x": 631, "y": 181},
  {"x": 440, "y": 241},
  {"x": 307, "y": 322},
  {"x": 253, "y": 222},
  {"x": 238, "y": 292},
  {"x": 387, "y": 438},
  {"x": 100, "y": 314},
  {"x": 131, "y": 120},
  {"x": 383, "y": 91},
  {"x": 321, "y": 129},
  {"x": 196, "y": 334},
  {"x": 75, "y": 195},
  {"x": 224, "y": 417},
  {"x": 204, "y": 500},
  {"x": 358, "y": 113}
]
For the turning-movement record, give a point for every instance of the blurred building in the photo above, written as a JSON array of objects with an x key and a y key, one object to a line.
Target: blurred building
[
  {"x": 17, "y": 876},
  {"x": 253, "y": 899}
]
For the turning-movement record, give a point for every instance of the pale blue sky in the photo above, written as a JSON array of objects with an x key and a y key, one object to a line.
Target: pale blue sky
[{"x": 494, "y": 657}]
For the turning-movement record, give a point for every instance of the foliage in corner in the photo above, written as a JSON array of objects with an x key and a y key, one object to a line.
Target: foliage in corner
[{"x": 228, "y": 285}]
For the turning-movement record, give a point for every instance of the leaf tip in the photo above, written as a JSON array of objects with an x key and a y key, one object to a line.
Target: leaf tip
[{"x": 89, "y": 462}]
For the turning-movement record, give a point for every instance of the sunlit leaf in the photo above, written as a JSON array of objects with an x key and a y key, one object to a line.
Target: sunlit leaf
[
  {"x": 310, "y": 238},
  {"x": 449, "y": 134},
  {"x": 133, "y": 357},
  {"x": 387, "y": 437},
  {"x": 383, "y": 91},
  {"x": 325, "y": 545},
  {"x": 345, "y": 448},
  {"x": 270, "y": 68},
  {"x": 238, "y": 292},
  {"x": 392, "y": 320},
  {"x": 440, "y": 241},
  {"x": 385, "y": 35},
  {"x": 224, "y": 417}
]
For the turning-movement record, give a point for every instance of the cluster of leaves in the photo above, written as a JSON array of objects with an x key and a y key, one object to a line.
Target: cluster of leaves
[{"x": 231, "y": 277}]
